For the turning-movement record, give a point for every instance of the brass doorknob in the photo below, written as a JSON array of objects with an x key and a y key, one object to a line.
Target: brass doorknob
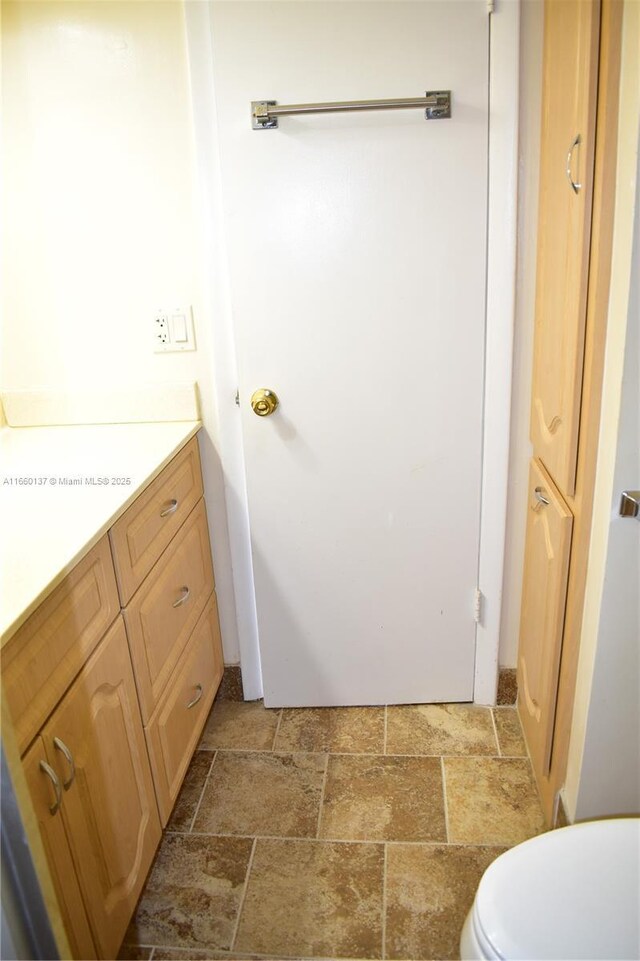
[{"x": 264, "y": 402}]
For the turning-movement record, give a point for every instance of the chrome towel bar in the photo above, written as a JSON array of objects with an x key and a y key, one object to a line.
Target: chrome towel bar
[{"x": 265, "y": 113}]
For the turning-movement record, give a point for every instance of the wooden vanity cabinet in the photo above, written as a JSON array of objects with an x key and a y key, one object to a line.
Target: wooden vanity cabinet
[{"x": 81, "y": 686}]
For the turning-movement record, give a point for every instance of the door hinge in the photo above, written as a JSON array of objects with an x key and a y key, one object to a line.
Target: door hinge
[
  {"x": 478, "y": 606},
  {"x": 491, "y": 6},
  {"x": 237, "y": 398}
]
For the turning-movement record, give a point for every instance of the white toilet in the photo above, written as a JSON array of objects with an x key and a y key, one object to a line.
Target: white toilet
[{"x": 570, "y": 893}]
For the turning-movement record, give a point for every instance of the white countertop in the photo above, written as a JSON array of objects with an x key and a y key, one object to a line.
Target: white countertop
[{"x": 47, "y": 525}]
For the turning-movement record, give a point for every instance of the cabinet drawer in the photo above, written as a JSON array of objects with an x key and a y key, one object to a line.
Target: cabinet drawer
[
  {"x": 164, "y": 612},
  {"x": 45, "y": 655},
  {"x": 143, "y": 532},
  {"x": 544, "y": 594},
  {"x": 177, "y": 723}
]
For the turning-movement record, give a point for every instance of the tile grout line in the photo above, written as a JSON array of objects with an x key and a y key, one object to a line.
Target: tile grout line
[
  {"x": 244, "y": 894},
  {"x": 324, "y": 785},
  {"x": 384, "y": 904},
  {"x": 369, "y": 754},
  {"x": 374, "y": 841},
  {"x": 277, "y": 730},
  {"x": 232, "y": 955},
  {"x": 204, "y": 787},
  {"x": 495, "y": 733},
  {"x": 444, "y": 798}
]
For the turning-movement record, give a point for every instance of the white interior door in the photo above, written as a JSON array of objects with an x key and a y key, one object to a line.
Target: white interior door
[{"x": 357, "y": 256}]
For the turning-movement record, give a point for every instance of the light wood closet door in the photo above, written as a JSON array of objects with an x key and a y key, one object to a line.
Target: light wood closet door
[
  {"x": 570, "y": 67},
  {"x": 109, "y": 810},
  {"x": 548, "y": 546},
  {"x": 56, "y": 848}
]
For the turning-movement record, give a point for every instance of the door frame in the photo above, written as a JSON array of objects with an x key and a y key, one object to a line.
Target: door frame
[{"x": 504, "y": 62}]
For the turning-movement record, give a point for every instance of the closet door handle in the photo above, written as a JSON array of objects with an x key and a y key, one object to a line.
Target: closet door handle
[
  {"x": 53, "y": 777},
  {"x": 171, "y": 509},
  {"x": 64, "y": 750},
  {"x": 574, "y": 186},
  {"x": 540, "y": 496},
  {"x": 184, "y": 597}
]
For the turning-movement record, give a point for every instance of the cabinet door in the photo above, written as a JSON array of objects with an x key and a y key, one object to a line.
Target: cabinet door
[
  {"x": 109, "y": 809},
  {"x": 54, "y": 839},
  {"x": 544, "y": 595},
  {"x": 571, "y": 35}
]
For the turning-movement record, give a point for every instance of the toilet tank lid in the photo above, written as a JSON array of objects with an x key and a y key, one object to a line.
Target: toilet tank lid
[{"x": 570, "y": 893}]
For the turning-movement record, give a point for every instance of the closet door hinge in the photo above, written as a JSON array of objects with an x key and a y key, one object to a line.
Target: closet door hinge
[
  {"x": 478, "y": 605},
  {"x": 491, "y": 6}
]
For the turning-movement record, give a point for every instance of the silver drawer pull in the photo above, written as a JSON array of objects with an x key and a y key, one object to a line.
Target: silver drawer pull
[
  {"x": 62, "y": 747},
  {"x": 51, "y": 774},
  {"x": 539, "y": 492},
  {"x": 171, "y": 509},
  {"x": 196, "y": 698},
  {"x": 184, "y": 597}
]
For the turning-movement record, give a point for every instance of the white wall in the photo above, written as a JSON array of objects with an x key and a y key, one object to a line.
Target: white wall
[
  {"x": 531, "y": 28},
  {"x": 100, "y": 212}
]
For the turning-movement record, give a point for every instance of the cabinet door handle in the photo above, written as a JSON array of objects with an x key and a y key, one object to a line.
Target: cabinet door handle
[
  {"x": 184, "y": 597},
  {"x": 51, "y": 774},
  {"x": 171, "y": 509},
  {"x": 574, "y": 186},
  {"x": 540, "y": 496},
  {"x": 62, "y": 747},
  {"x": 196, "y": 698}
]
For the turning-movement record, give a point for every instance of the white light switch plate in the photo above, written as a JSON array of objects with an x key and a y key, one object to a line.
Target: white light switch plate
[{"x": 173, "y": 330}]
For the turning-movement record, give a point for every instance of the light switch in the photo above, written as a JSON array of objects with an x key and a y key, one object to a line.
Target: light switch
[
  {"x": 173, "y": 330},
  {"x": 179, "y": 329}
]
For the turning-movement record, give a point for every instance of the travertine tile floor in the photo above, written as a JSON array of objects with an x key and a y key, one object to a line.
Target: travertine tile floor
[{"x": 335, "y": 833}]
